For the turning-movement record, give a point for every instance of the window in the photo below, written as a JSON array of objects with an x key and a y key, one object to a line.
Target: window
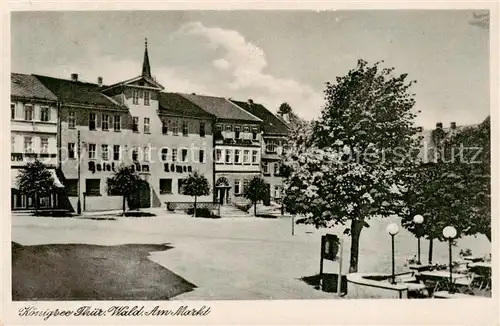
[
  {"x": 135, "y": 124},
  {"x": 71, "y": 119},
  {"x": 180, "y": 186},
  {"x": 105, "y": 122},
  {"x": 237, "y": 156},
  {"x": 44, "y": 114},
  {"x": 202, "y": 156},
  {"x": 271, "y": 147},
  {"x": 202, "y": 128},
  {"x": 174, "y": 155},
  {"x": 265, "y": 167},
  {"x": 164, "y": 154},
  {"x": 164, "y": 127},
  {"x": 92, "y": 148},
  {"x": 116, "y": 152},
  {"x": 276, "y": 170},
  {"x": 254, "y": 133},
  {"x": 185, "y": 128},
  {"x": 28, "y": 145},
  {"x": 254, "y": 156},
  {"x": 135, "y": 153},
  {"x": 92, "y": 121},
  {"x": 44, "y": 145},
  {"x": 93, "y": 187},
  {"x": 218, "y": 127},
  {"x": 146, "y": 97},
  {"x": 71, "y": 150},
  {"x": 277, "y": 191},
  {"x": 237, "y": 130},
  {"x": 135, "y": 96},
  {"x": 72, "y": 187},
  {"x": 184, "y": 154},
  {"x": 146, "y": 126},
  {"x": 165, "y": 186},
  {"x": 218, "y": 155},
  {"x": 245, "y": 184},
  {"x": 13, "y": 144},
  {"x": 246, "y": 156},
  {"x": 117, "y": 123},
  {"x": 147, "y": 152},
  {"x": 246, "y": 129},
  {"x": 28, "y": 112},
  {"x": 175, "y": 127},
  {"x": 237, "y": 187},
  {"x": 229, "y": 128},
  {"x": 228, "y": 156},
  {"x": 104, "y": 152},
  {"x": 12, "y": 111}
]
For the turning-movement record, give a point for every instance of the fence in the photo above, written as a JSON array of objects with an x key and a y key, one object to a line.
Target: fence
[{"x": 183, "y": 206}]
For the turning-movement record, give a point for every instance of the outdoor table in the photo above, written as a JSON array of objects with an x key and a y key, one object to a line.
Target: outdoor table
[
  {"x": 439, "y": 276},
  {"x": 483, "y": 272},
  {"x": 473, "y": 259},
  {"x": 419, "y": 268},
  {"x": 480, "y": 265}
]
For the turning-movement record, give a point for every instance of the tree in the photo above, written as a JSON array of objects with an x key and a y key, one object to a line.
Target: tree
[
  {"x": 196, "y": 185},
  {"x": 124, "y": 182},
  {"x": 35, "y": 180},
  {"x": 256, "y": 190},
  {"x": 349, "y": 165},
  {"x": 284, "y": 108},
  {"x": 454, "y": 187}
]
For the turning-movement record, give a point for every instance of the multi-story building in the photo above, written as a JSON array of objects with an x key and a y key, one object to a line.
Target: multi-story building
[
  {"x": 163, "y": 135},
  {"x": 274, "y": 136},
  {"x": 33, "y": 116},
  {"x": 237, "y": 143}
]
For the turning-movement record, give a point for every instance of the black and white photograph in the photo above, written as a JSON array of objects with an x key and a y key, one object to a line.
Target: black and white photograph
[{"x": 248, "y": 155}]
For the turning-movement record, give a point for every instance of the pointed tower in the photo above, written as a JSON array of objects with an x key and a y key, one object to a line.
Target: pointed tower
[{"x": 146, "y": 68}]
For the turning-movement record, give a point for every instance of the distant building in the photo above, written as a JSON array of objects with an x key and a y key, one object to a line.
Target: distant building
[
  {"x": 274, "y": 134},
  {"x": 237, "y": 144},
  {"x": 33, "y": 124}
]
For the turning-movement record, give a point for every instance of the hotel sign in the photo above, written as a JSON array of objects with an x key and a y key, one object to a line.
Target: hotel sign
[{"x": 111, "y": 167}]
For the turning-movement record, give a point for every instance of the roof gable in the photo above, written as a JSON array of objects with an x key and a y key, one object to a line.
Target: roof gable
[
  {"x": 28, "y": 86},
  {"x": 142, "y": 81},
  {"x": 271, "y": 123},
  {"x": 221, "y": 107}
]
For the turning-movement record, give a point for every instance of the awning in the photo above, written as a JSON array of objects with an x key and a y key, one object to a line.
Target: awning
[{"x": 15, "y": 172}]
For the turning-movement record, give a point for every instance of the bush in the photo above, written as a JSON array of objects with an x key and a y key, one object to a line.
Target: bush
[
  {"x": 170, "y": 207},
  {"x": 200, "y": 212}
]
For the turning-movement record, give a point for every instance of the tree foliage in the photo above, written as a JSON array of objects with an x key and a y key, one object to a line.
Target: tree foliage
[
  {"x": 35, "y": 180},
  {"x": 124, "y": 182},
  {"x": 285, "y": 108},
  {"x": 196, "y": 185},
  {"x": 349, "y": 165},
  {"x": 256, "y": 190}
]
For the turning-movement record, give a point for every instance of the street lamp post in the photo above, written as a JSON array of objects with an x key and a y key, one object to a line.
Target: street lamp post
[
  {"x": 78, "y": 204},
  {"x": 418, "y": 220},
  {"x": 393, "y": 229},
  {"x": 450, "y": 233}
]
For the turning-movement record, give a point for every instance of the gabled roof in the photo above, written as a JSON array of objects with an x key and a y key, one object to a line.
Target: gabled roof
[
  {"x": 175, "y": 104},
  {"x": 133, "y": 80},
  {"x": 77, "y": 92},
  {"x": 271, "y": 123},
  {"x": 29, "y": 87},
  {"x": 221, "y": 107}
]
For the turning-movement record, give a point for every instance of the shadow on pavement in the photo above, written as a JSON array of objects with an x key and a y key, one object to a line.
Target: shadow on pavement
[{"x": 92, "y": 272}]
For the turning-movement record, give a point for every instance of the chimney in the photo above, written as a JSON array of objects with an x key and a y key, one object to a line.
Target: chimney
[
  {"x": 439, "y": 125},
  {"x": 453, "y": 125},
  {"x": 250, "y": 101},
  {"x": 74, "y": 77},
  {"x": 286, "y": 117},
  {"x": 99, "y": 81}
]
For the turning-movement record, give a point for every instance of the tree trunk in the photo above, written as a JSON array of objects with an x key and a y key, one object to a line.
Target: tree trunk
[
  {"x": 35, "y": 198},
  {"x": 356, "y": 227},
  {"x": 430, "y": 251},
  {"x": 123, "y": 204},
  {"x": 255, "y": 209},
  {"x": 195, "y": 212}
]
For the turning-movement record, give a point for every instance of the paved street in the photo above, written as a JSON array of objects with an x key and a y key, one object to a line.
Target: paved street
[{"x": 233, "y": 258}]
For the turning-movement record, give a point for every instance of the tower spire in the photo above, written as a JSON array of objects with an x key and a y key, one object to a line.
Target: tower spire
[{"x": 146, "y": 68}]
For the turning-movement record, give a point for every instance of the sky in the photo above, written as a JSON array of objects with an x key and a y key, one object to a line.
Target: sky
[{"x": 268, "y": 56}]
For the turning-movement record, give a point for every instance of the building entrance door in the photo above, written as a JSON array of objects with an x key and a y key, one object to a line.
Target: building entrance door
[{"x": 222, "y": 187}]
